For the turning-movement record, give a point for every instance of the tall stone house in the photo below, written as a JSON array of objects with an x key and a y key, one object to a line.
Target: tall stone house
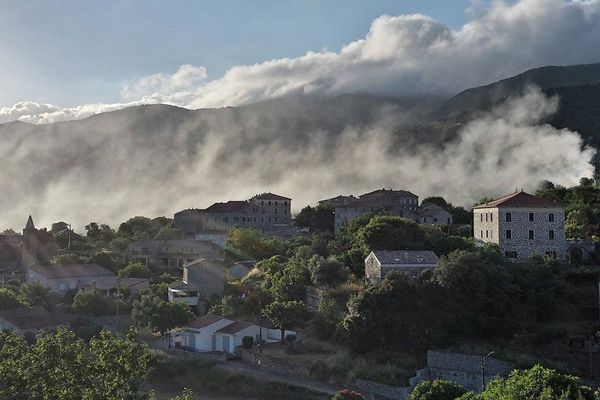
[
  {"x": 266, "y": 212},
  {"x": 523, "y": 226},
  {"x": 398, "y": 202}
]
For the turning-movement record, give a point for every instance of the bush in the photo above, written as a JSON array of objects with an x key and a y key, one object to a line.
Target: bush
[
  {"x": 436, "y": 390},
  {"x": 247, "y": 342},
  {"x": 91, "y": 303}
]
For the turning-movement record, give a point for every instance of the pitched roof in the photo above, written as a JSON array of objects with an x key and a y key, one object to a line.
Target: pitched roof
[
  {"x": 235, "y": 327},
  {"x": 519, "y": 199},
  {"x": 270, "y": 196},
  {"x": 406, "y": 257},
  {"x": 179, "y": 285},
  {"x": 379, "y": 193},
  {"x": 29, "y": 224},
  {"x": 70, "y": 271},
  {"x": 203, "y": 321},
  {"x": 430, "y": 210},
  {"x": 230, "y": 206},
  {"x": 32, "y": 318},
  {"x": 189, "y": 211}
]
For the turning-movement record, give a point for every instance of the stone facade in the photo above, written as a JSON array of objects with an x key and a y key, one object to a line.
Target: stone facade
[
  {"x": 522, "y": 227},
  {"x": 431, "y": 214},
  {"x": 266, "y": 212},
  {"x": 412, "y": 262},
  {"x": 170, "y": 253},
  {"x": 398, "y": 202}
]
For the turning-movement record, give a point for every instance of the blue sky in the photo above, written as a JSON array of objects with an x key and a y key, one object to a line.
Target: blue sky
[{"x": 74, "y": 52}]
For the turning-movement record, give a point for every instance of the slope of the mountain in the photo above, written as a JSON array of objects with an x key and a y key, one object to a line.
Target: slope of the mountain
[{"x": 471, "y": 101}]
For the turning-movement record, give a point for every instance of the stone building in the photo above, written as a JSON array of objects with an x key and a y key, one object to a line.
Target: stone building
[
  {"x": 523, "y": 226},
  {"x": 398, "y": 202},
  {"x": 72, "y": 277},
  {"x": 431, "y": 214},
  {"x": 32, "y": 250},
  {"x": 266, "y": 211},
  {"x": 379, "y": 263},
  {"x": 170, "y": 253}
]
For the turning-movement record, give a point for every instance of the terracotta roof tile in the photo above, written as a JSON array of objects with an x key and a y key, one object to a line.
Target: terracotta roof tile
[
  {"x": 519, "y": 199},
  {"x": 235, "y": 327}
]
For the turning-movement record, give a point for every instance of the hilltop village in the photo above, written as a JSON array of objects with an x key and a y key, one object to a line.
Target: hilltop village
[{"x": 411, "y": 290}]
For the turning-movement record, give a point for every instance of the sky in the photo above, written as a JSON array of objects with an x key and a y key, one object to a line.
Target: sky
[
  {"x": 71, "y": 52},
  {"x": 70, "y": 60}
]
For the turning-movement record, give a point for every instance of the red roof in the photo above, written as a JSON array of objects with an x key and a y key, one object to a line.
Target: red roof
[
  {"x": 204, "y": 321},
  {"x": 235, "y": 327},
  {"x": 230, "y": 206},
  {"x": 270, "y": 196},
  {"x": 519, "y": 199}
]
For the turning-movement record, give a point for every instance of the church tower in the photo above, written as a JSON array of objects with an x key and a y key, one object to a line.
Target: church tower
[{"x": 31, "y": 245}]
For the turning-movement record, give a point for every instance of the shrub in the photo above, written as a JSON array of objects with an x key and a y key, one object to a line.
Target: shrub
[{"x": 247, "y": 342}]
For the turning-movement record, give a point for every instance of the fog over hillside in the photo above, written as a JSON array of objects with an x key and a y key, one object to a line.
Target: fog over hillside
[{"x": 155, "y": 160}]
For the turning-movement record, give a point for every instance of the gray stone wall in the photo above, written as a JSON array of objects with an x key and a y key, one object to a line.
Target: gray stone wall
[{"x": 495, "y": 228}]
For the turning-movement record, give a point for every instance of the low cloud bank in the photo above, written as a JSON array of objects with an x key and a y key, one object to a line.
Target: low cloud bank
[{"x": 110, "y": 169}]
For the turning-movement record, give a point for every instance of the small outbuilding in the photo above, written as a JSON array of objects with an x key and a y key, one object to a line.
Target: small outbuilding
[{"x": 379, "y": 263}]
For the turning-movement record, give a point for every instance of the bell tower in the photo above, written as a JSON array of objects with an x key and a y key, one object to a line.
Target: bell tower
[{"x": 31, "y": 245}]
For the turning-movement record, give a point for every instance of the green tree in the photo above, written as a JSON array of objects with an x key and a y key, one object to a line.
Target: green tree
[
  {"x": 326, "y": 272},
  {"x": 159, "y": 315},
  {"x": 90, "y": 302},
  {"x": 317, "y": 219},
  {"x": 37, "y": 295},
  {"x": 537, "y": 383},
  {"x": 9, "y": 299},
  {"x": 576, "y": 225},
  {"x": 286, "y": 315},
  {"x": 436, "y": 390},
  {"x": 168, "y": 233},
  {"x": 252, "y": 244},
  {"x": 134, "y": 270}
]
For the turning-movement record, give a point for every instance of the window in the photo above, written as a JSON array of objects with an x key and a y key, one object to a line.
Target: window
[
  {"x": 551, "y": 254},
  {"x": 531, "y": 235},
  {"x": 531, "y": 217},
  {"x": 434, "y": 219},
  {"x": 551, "y": 217},
  {"x": 508, "y": 217},
  {"x": 486, "y": 217},
  {"x": 481, "y": 217},
  {"x": 510, "y": 254},
  {"x": 482, "y": 234},
  {"x": 486, "y": 233},
  {"x": 269, "y": 202},
  {"x": 508, "y": 234},
  {"x": 491, "y": 217},
  {"x": 551, "y": 234}
]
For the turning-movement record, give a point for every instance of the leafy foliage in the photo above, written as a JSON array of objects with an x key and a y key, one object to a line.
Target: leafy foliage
[
  {"x": 286, "y": 315},
  {"x": 60, "y": 366},
  {"x": 436, "y": 390}
]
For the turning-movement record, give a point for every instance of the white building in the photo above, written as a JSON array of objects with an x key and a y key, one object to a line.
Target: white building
[
  {"x": 522, "y": 225},
  {"x": 379, "y": 263},
  {"x": 214, "y": 333}
]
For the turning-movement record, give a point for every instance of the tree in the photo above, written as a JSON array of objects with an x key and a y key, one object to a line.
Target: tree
[
  {"x": 317, "y": 219},
  {"x": 38, "y": 295},
  {"x": 437, "y": 200},
  {"x": 576, "y": 225},
  {"x": 436, "y": 390},
  {"x": 159, "y": 315},
  {"x": 9, "y": 299},
  {"x": 134, "y": 270},
  {"x": 586, "y": 182},
  {"x": 252, "y": 244},
  {"x": 286, "y": 315},
  {"x": 326, "y": 272},
  {"x": 90, "y": 302},
  {"x": 61, "y": 366},
  {"x": 168, "y": 233},
  {"x": 537, "y": 383}
]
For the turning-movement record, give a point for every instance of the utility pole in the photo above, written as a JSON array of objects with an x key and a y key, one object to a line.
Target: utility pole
[
  {"x": 483, "y": 369},
  {"x": 260, "y": 318}
]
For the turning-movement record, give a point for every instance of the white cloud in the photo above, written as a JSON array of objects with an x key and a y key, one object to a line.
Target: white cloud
[
  {"x": 400, "y": 55},
  {"x": 187, "y": 77}
]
